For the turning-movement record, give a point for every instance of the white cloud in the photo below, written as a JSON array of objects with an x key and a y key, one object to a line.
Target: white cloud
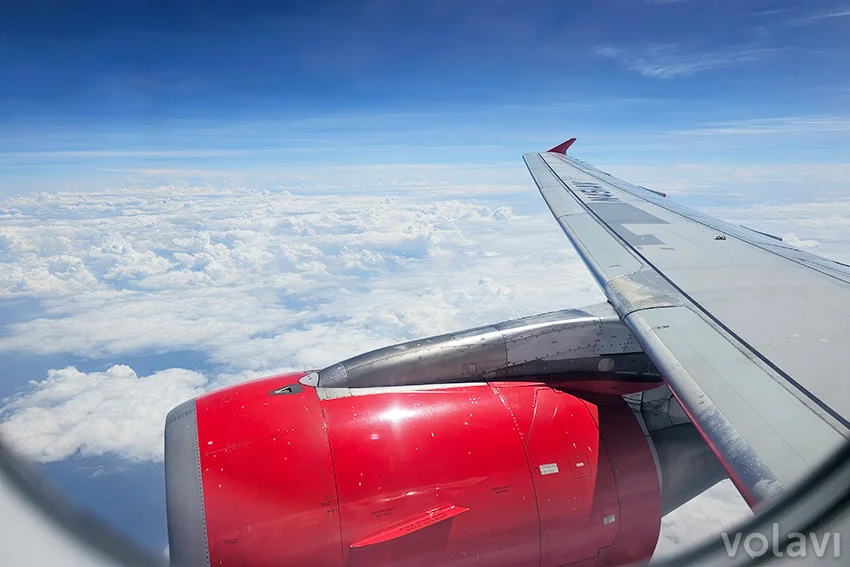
[
  {"x": 717, "y": 509},
  {"x": 665, "y": 61},
  {"x": 258, "y": 282},
  {"x": 825, "y": 219},
  {"x": 263, "y": 281},
  {"x": 795, "y": 240},
  {"x": 821, "y": 182},
  {"x": 812, "y": 18},
  {"x": 776, "y": 125},
  {"x": 72, "y": 412}
]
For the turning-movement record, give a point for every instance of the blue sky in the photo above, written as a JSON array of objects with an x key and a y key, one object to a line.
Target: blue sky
[
  {"x": 390, "y": 136},
  {"x": 106, "y": 90}
]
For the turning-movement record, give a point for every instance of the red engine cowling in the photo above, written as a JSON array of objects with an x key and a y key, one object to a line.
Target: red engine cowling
[{"x": 513, "y": 474}]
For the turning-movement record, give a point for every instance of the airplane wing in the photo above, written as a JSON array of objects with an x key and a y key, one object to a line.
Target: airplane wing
[{"x": 750, "y": 333}]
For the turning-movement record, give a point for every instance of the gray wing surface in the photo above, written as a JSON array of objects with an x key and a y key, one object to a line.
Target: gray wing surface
[{"x": 751, "y": 334}]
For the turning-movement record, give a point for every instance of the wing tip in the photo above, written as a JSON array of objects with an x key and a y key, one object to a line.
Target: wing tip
[{"x": 563, "y": 147}]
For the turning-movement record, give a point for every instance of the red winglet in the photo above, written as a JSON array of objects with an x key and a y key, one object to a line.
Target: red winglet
[
  {"x": 404, "y": 527},
  {"x": 562, "y": 148}
]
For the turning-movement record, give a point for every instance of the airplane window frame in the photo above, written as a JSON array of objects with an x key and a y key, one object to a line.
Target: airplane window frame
[{"x": 817, "y": 500}]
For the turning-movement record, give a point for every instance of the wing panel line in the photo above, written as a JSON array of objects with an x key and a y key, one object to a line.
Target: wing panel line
[
  {"x": 698, "y": 221},
  {"x": 811, "y": 396}
]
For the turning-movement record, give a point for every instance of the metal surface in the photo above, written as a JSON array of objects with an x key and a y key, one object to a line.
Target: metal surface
[
  {"x": 746, "y": 330},
  {"x": 772, "y": 438},
  {"x": 580, "y": 491},
  {"x": 636, "y": 476},
  {"x": 686, "y": 464},
  {"x": 397, "y": 454},
  {"x": 818, "y": 508},
  {"x": 561, "y": 342},
  {"x": 268, "y": 477},
  {"x": 500, "y": 473},
  {"x": 184, "y": 492}
]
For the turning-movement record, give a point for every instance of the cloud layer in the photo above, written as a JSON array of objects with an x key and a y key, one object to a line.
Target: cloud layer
[
  {"x": 665, "y": 61},
  {"x": 116, "y": 411},
  {"x": 266, "y": 281},
  {"x": 717, "y": 509},
  {"x": 258, "y": 282}
]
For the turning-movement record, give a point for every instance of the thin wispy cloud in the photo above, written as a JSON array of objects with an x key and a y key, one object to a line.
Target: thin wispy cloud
[
  {"x": 771, "y": 12},
  {"x": 815, "y": 17},
  {"x": 748, "y": 183},
  {"x": 780, "y": 125},
  {"x": 212, "y": 153},
  {"x": 107, "y": 153},
  {"x": 665, "y": 61}
]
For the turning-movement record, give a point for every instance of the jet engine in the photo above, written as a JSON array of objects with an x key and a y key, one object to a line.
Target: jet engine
[
  {"x": 513, "y": 474},
  {"x": 527, "y": 443}
]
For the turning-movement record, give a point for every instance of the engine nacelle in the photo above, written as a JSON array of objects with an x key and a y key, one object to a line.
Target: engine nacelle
[{"x": 274, "y": 472}]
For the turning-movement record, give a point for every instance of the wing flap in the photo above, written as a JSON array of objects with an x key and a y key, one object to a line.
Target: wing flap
[{"x": 767, "y": 438}]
